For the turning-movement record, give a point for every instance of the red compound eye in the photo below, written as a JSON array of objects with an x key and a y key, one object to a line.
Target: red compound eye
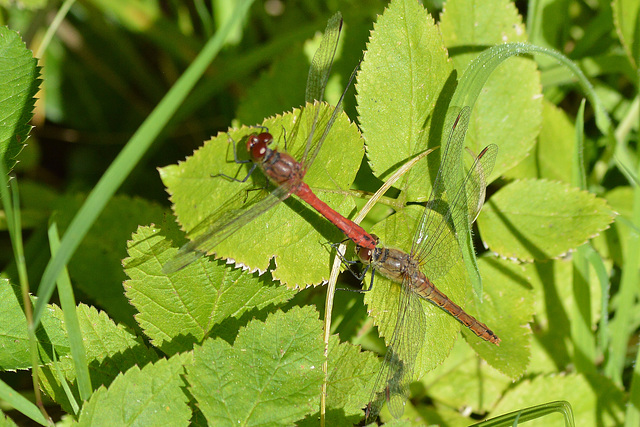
[{"x": 257, "y": 145}]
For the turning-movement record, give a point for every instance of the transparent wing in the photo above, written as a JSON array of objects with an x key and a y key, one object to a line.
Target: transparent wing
[
  {"x": 316, "y": 83},
  {"x": 475, "y": 183},
  {"x": 323, "y": 60},
  {"x": 220, "y": 225},
  {"x": 435, "y": 246},
  {"x": 396, "y": 373}
]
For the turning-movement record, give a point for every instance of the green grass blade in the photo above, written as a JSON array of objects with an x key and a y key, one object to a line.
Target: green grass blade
[
  {"x": 55, "y": 24},
  {"x": 15, "y": 224},
  {"x": 524, "y": 415},
  {"x": 578, "y": 171},
  {"x": 65, "y": 384},
  {"x": 68, "y": 304},
  {"x": 584, "y": 353},
  {"x": 603, "y": 278},
  {"x": 129, "y": 157},
  {"x": 476, "y": 74},
  {"x": 626, "y": 299},
  {"x": 21, "y": 404}
]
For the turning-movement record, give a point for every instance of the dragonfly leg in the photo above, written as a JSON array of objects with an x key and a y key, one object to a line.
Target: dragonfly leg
[
  {"x": 238, "y": 161},
  {"x": 284, "y": 135},
  {"x": 360, "y": 276},
  {"x": 264, "y": 128},
  {"x": 236, "y": 179},
  {"x": 347, "y": 262}
]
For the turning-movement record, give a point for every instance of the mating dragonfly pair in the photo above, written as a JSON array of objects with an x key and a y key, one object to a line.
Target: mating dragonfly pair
[{"x": 430, "y": 255}]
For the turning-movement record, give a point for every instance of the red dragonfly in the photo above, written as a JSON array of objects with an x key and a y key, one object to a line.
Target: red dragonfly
[
  {"x": 282, "y": 169},
  {"x": 433, "y": 253}
]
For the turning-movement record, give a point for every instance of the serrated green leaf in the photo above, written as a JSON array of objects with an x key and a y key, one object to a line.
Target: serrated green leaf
[
  {"x": 464, "y": 381},
  {"x": 271, "y": 375},
  {"x": 508, "y": 110},
  {"x": 110, "y": 349},
  {"x": 625, "y": 18},
  {"x": 176, "y": 312},
  {"x": 14, "y": 340},
  {"x": 96, "y": 267},
  {"x": 18, "y": 85},
  {"x": 149, "y": 396},
  {"x": 403, "y": 76},
  {"x": 594, "y": 399},
  {"x": 507, "y": 308},
  {"x": 351, "y": 373},
  {"x": 553, "y": 154},
  {"x": 537, "y": 220},
  {"x": 292, "y": 231}
]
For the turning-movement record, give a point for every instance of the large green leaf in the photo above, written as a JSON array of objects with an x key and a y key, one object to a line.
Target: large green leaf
[
  {"x": 440, "y": 329},
  {"x": 403, "y": 82},
  {"x": 537, "y": 220},
  {"x": 18, "y": 86},
  {"x": 290, "y": 232},
  {"x": 554, "y": 304},
  {"x": 153, "y": 395},
  {"x": 351, "y": 373},
  {"x": 350, "y": 376},
  {"x": 507, "y": 308},
  {"x": 271, "y": 375},
  {"x": 554, "y": 150},
  {"x": 176, "y": 312},
  {"x": 464, "y": 381}
]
